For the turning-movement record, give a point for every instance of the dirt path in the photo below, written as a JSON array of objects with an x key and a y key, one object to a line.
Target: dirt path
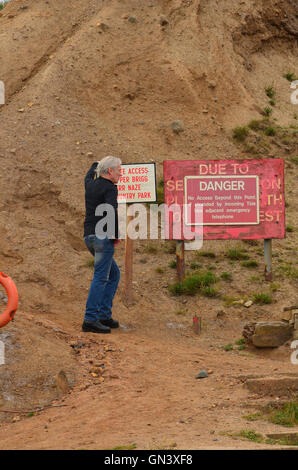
[{"x": 150, "y": 397}]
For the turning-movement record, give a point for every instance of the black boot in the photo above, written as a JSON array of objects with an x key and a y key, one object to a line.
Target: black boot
[
  {"x": 110, "y": 322},
  {"x": 95, "y": 327}
]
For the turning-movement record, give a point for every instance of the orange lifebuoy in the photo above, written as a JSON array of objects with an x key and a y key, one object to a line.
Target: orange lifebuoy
[{"x": 13, "y": 299}]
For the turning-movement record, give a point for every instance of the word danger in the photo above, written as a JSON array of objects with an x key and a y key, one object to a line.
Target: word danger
[{"x": 221, "y": 185}]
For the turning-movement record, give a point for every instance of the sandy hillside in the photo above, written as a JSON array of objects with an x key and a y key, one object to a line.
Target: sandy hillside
[{"x": 88, "y": 79}]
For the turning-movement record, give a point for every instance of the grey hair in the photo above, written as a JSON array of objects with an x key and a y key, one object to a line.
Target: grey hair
[{"x": 106, "y": 163}]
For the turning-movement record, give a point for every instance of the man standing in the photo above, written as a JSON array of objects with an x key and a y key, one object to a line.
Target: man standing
[{"x": 100, "y": 235}]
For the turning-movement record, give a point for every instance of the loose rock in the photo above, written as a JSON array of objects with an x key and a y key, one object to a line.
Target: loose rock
[
  {"x": 177, "y": 127},
  {"x": 163, "y": 21},
  {"x": 62, "y": 382},
  {"x": 202, "y": 375}
]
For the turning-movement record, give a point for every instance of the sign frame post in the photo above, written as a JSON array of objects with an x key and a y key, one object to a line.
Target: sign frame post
[
  {"x": 180, "y": 260},
  {"x": 268, "y": 259}
]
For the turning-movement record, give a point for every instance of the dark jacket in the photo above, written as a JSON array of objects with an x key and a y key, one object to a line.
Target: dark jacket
[{"x": 99, "y": 191}]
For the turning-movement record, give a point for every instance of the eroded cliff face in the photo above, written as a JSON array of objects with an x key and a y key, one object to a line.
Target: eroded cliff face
[
  {"x": 272, "y": 25},
  {"x": 87, "y": 79}
]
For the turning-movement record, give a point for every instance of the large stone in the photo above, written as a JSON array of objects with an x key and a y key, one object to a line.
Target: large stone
[
  {"x": 1, "y": 399},
  {"x": 273, "y": 386},
  {"x": 295, "y": 335},
  {"x": 271, "y": 334},
  {"x": 287, "y": 437},
  {"x": 62, "y": 382}
]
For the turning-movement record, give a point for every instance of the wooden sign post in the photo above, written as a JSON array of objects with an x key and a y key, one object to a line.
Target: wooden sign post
[
  {"x": 180, "y": 260},
  {"x": 268, "y": 259}
]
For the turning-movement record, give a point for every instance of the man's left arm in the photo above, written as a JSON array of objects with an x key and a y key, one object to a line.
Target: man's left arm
[{"x": 90, "y": 174}]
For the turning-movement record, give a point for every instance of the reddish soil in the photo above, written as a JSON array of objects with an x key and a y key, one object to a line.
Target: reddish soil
[{"x": 88, "y": 79}]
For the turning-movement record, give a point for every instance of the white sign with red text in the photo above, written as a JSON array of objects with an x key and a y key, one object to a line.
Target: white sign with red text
[{"x": 137, "y": 183}]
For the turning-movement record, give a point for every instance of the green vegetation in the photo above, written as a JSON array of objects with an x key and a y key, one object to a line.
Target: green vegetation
[
  {"x": 125, "y": 447},
  {"x": 211, "y": 267},
  {"x": 290, "y": 76},
  {"x": 251, "y": 242},
  {"x": 241, "y": 344},
  {"x": 272, "y": 102},
  {"x": 205, "y": 254},
  {"x": 250, "y": 264},
  {"x": 173, "y": 264},
  {"x": 237, "y": 254},
  {"x": 240, "y": 341},
  {"x": 270, "y": 92},
  {"x": 209, "y": 291},
  {"x": 255, "y": 125},
  {"x": 89, "y": 263},
  {"x": 256, "y": 136},
  {"x": 150, "y": 248},
  {"x": 290, "y": 440},
  {"x": 195, "y": 265},
  {"x": 240, "y": 133},
  {"x": 193, "y": 284},
  {"x": 262, "y": 298},
  {"x": 270, "y": 131},
  {"x": 288, "y": 269},
  {"x": 287, "y": 415},
  {"x": 267, "y": 111},
  {"x": 274, "y": 286},
  {"x": 159, "y": 270},
  {"x": 230, "y": 300},
  {"x": 253, "y": 416},
  {"x": 169, "y": 247},
  {"x": 226, "y": 276},
  {"x": 251, "y": 435},
  {"x": 180, "y": 312},
  {"x": 289, "y": 228},
  {"x": 2, "y": 5},
  {"x": 160, "y": 192}
]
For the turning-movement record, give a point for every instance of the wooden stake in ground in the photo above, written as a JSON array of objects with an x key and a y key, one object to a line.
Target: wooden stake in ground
[
  {"x": 180, "y": 259},
  {"x": 197, "y": 324}
]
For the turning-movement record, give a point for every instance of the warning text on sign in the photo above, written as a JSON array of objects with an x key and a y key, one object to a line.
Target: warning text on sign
[
  {"x": 137, "y": 183},
  {"x": 226, "y": 200}
]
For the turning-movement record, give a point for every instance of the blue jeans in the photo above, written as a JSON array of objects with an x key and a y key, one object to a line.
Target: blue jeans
[{"x": 105, "y": 280}]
